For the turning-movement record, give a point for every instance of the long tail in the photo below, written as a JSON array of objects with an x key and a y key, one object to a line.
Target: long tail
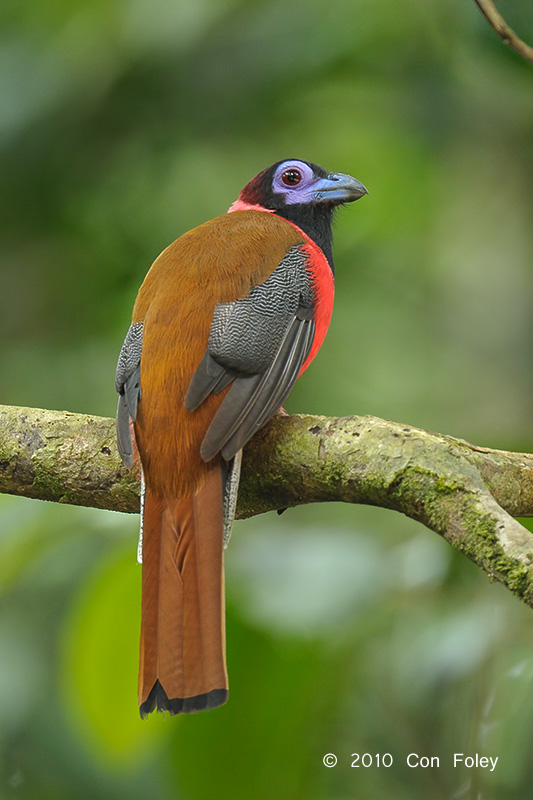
[{"x": 182, "y": 654}]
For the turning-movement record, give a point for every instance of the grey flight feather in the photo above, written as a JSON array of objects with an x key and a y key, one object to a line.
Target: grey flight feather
[
  {"x": 128, "y": 385},
  {"x": 253, "y": 399}
]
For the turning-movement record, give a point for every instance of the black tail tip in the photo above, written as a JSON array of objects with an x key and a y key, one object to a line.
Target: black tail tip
[{"x": 158, "y": 700}]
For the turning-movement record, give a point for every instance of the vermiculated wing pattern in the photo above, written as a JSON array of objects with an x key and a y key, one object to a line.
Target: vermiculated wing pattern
[{"x": 259, "y": 343}]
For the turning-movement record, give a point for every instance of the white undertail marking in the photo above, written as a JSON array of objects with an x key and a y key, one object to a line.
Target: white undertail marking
[
  {"x": 231, "y": 491},
  {"x": 140, "y": 542}
]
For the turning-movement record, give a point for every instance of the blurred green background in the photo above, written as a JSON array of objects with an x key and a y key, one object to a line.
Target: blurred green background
[{"x": 123, "y": 123}]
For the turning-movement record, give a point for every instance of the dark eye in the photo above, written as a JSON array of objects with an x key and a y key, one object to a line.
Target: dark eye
[{"x": 291, "y": 177}]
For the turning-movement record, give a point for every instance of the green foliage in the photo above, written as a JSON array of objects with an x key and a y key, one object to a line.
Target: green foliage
[
  {"x": 99, "y": 674},
  {"x": 122, "y": 125}
]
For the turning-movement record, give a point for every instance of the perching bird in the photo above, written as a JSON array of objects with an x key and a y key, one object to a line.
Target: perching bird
[{"x": 227, "y": 318}]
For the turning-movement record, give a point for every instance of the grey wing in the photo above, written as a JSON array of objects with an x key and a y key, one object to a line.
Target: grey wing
[
  {"x": 128, "y": 386},
  {"x": 259, "y": 344}
]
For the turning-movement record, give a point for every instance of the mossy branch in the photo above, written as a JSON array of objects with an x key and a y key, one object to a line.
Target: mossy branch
[{"x": 467, "y": 494}]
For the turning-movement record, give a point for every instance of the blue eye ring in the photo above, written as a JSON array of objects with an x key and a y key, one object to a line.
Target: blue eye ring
[{"x": 291, "y": 179}]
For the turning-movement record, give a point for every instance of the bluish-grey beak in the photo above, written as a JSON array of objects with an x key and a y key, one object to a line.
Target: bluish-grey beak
[{"x": 338, "y": 188}]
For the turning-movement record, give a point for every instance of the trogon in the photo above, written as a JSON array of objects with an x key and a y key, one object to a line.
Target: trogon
[{"x": 227, "y": 318}]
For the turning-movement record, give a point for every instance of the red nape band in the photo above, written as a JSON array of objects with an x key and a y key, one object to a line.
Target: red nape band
[{"x": 241, "y": 205}]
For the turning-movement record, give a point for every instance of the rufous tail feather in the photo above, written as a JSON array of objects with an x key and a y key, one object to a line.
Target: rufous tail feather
[{"x": 182, "y": 653}]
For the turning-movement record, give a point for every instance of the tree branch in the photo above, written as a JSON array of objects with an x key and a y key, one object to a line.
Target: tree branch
[
  {"x": 503, "y": 30},
  {"x": 467, "y": 494}
]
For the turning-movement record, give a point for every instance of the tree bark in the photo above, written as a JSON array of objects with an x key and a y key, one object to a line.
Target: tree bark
[{"x": 467, "y": 494}]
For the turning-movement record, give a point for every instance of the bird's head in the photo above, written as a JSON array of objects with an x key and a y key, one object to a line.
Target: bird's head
[
  {"x": 304, "y": 193},
  {"x": 294, "y": 182}
]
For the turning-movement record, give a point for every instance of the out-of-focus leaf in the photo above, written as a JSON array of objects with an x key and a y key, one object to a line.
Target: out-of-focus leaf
[
  {"x": 100, "y": 662},
  {"x": 304, "y": 583}
]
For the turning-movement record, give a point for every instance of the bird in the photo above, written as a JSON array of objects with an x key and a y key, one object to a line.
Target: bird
[{"x": 226, "y": 319}]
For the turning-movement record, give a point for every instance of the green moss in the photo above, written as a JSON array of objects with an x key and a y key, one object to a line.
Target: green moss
[
  {"x": 481, "y": 524},
  {"x": 46, "y": 480},
  {"x": 447, "y": 485},
  {"x": 483, "y": 548}
]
